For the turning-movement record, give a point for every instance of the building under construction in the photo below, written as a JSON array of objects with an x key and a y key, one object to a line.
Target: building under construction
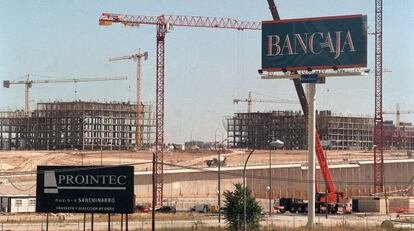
[
  {"x": 256, "y": 130},
  {"x": 76, "y": 125},
  {"x": 398, "y": 137}
]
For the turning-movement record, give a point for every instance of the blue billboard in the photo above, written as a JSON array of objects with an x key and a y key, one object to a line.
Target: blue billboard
[{"x": 315, "y": 43}]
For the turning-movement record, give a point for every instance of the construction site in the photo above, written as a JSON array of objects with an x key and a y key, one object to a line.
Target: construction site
[
  {"x": 315, "y": 159},
  {"x": 77, "y": 125}
]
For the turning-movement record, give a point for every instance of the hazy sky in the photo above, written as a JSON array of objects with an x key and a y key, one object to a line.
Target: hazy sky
[{"x": 205, "y": 68}]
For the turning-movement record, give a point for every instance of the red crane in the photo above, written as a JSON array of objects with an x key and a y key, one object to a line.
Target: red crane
[
  {"x": 164, "y": 23},
  {"x": 378, "y": 120},
  {"x": 331, "y": 196}
]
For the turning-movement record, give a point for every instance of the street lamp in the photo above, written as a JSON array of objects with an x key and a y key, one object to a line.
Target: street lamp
[
  {"x": 270, "y": 205},
  {"x": 272, "y": 144},
  {"x": 218, "y": 180},
  {"x": 215, "y": 138},
  {"x": 244, "y": 189},
  {"x": 154, "y": 191}
]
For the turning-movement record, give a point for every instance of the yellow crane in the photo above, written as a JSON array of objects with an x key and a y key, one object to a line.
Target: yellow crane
[
  {"x": 250, "y": 101},
  {"x": 29, "y": 82},
  {"x": 136, "y": 58}
]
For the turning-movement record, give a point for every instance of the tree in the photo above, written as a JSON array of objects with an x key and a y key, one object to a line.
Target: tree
[{"x": 233, "y": 209}]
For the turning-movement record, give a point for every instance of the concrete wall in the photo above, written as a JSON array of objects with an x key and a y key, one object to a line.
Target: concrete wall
[
  {"x": 370, "y": 204},
  {"x": 187, "y": 187}
]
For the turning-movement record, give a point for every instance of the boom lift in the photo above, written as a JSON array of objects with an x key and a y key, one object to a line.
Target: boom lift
[
  {"x": 331, "y": 196},
  {"x": 29, "y": 82}
]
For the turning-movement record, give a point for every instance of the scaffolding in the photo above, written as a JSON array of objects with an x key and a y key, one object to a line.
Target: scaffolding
[
  {"x": 346, "y": 132},
  {"x": 398, "y": 139},
  {"x": 256, "y": 130},
  {"x": 76, "y": 125}
]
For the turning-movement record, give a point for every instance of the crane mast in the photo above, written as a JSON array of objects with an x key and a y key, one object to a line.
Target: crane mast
[
  {"x": 164, "y": 24},
  {"x": 378, "y": 119},
  {"x": 136, "y": 58}
]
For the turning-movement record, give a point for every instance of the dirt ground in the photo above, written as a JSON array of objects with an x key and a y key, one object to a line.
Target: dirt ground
[{"x": 26, "y": 161}]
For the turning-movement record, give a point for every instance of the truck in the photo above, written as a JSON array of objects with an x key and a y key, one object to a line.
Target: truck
[
  {"x": 294, "y": 205},
  {"x": 214, "y": 162},
  {"x": 201, "y": 208}
]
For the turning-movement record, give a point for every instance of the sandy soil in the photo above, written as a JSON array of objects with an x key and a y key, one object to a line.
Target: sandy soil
[{"x": 13, "y": 161}]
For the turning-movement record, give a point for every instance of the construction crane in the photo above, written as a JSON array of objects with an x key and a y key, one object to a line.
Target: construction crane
[
  {"x": 29, "y": 82},
  {"x": 378, "y": 119},
  {"x": 250, "y": 101},
  {"x": 331, "y": 196},
  {"x": 397, "y": 112},
  {"x": 400, "y": 137},
  {"x": 136, "y": 58},
  {"x": 165, "y": 24}
]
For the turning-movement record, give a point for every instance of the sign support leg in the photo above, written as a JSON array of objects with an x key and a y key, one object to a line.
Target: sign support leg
[
  {"x": 126, "y": 221},
  {"x": 92, "y": 222},
  {"x": 109, "y": 222},
  {"x": 47, "y": 221},
  {"x": 122, "y": 222},
  {"x": 84, "y": 221}
]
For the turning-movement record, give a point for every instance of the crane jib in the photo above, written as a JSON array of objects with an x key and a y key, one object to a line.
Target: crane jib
[{"x": 107, "y": 19}]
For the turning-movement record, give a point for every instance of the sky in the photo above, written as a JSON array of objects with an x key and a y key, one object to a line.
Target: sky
[{"x": 205, "y": 68}]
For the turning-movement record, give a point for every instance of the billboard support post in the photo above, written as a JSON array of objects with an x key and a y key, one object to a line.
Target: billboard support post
[
  {"x": 311, "y": 90},
  {"x": 312, "y": 80}
]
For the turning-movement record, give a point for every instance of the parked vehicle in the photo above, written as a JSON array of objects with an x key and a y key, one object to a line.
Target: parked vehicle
[
  {"x": 201, "y": 208},
  {"x": 142, "y": 208},
  {"x": 301, "y": 206},
  {"x": 166, "y": 209},
  {"x": 214, "y": 162}
]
